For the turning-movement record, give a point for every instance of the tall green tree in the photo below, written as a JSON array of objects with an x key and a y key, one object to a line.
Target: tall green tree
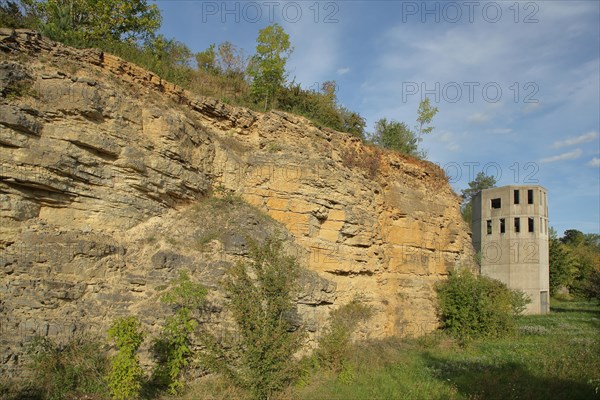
[
  {"x": 425, "y": 114},
  {"x": 267, "y": 67},
  {"x": 207, "y": 60},
  {"x": 585, "y": 250},
  {"x": 481, "y": 182},
  {"x": 575, "y": 263},
  {"x": 573, "y": 238},
  {"x": 563, "y": 268}
]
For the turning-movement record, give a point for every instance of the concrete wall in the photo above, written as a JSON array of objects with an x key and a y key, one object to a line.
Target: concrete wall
[{"x": 511, "y": 236}]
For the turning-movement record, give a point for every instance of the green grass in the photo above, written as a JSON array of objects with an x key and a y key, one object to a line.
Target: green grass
[{"x": 554, "y": 356}]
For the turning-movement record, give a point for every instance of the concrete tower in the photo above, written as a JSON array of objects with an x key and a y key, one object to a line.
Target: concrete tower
[{"x": 510, "y": 233}]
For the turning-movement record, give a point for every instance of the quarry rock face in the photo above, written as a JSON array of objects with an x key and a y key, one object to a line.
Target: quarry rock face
[{"x": 108, "y": 177}]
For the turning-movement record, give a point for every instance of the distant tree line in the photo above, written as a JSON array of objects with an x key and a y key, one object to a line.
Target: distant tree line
[
  {"x": 575, "y": 263},
  {"x": 129, "y": 29}
]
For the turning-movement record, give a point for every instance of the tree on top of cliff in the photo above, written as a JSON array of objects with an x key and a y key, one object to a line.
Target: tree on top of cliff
[
  {"x": 267, "y": 66},
  {"x": 86, "y": 22},
  {"x": 481, "y": 182},
  {"x": 396, "y": 136},
  {"x": 425, "y": 115}
]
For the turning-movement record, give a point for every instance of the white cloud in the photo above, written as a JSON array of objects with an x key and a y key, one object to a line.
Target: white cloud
[
  {"x": 571, "y": 155},
  {"x": 478, "y": 118},
  {"x": 586, "y": 137},
  {"x": 531, "y": 107},
  {"x": 449, "y": 141},
  {"x": 343, "y": 71},
  {"x": 453, "y": 147},
  {"x": 594, "y": 162}
]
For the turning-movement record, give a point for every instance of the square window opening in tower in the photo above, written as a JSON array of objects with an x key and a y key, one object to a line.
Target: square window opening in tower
[
  {"x": 530, "y": 196},
  {"x": 531, "y": 224}
]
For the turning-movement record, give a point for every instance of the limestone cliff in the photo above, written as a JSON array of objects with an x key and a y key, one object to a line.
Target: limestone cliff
[{"x": 106, "y": 173}]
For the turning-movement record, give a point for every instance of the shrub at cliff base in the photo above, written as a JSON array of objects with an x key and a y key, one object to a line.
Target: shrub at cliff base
[
  {"x": 261, "y": 358},
  {"x": 126, "y": 376},
  {"x": 473, "y": 306}
]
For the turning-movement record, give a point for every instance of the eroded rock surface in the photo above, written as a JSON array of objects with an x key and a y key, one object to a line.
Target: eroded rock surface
[{"x": 106, "y": 173}]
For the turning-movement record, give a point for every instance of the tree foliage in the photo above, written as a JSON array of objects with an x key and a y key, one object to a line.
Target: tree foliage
[
  {"x": 267, "y": 67},
  {"x": 87, "y": 22},
  {"x": 321, "y": 107},
  {"x": 396, "y": 136},
  {"x": 592, "y": 288},
  {"x": 425, "y": 114},
  {"x": 126, "y": 375},
  {"x": 573, "y": 238},
  {"x": 173, "y": 348},
  {"x": 562, "y": 265},
  {"x": 352, "y": 122},
  {"x": 473, "y": 306},
  {"x": 481, "y": 182},
  {"x": 260, "y": 358},
  {"x": 230, "y": 60},
  {"x": 207, "y": 60},
  {"x": 584, "y": 252}
]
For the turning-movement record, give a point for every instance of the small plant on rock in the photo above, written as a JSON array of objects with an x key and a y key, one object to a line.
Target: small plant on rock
[
  {"x": 126, "y": 375},
  {"x": 174, "y": 348}
]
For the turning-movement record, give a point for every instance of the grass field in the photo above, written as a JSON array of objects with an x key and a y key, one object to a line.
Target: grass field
[{"x": 553, "y": 356}]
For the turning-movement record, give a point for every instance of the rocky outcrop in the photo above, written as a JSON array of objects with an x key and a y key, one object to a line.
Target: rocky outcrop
[{"x": 107, "y": 177}]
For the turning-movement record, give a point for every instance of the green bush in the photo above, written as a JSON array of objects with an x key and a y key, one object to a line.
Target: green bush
[
  {"x": 335, "y": 344},
  {"x": 260, "y": 358},
  {"x": 173, "y": 348},
  {"x": 126, "y": 375},
  {"x": 477, "y": 306},
  {"x": 321, "y": 107},
  {"x": 59, "y": 370}
]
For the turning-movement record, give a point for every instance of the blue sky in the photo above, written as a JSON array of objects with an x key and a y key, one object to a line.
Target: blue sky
[{"x": 517, "y": 84}]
